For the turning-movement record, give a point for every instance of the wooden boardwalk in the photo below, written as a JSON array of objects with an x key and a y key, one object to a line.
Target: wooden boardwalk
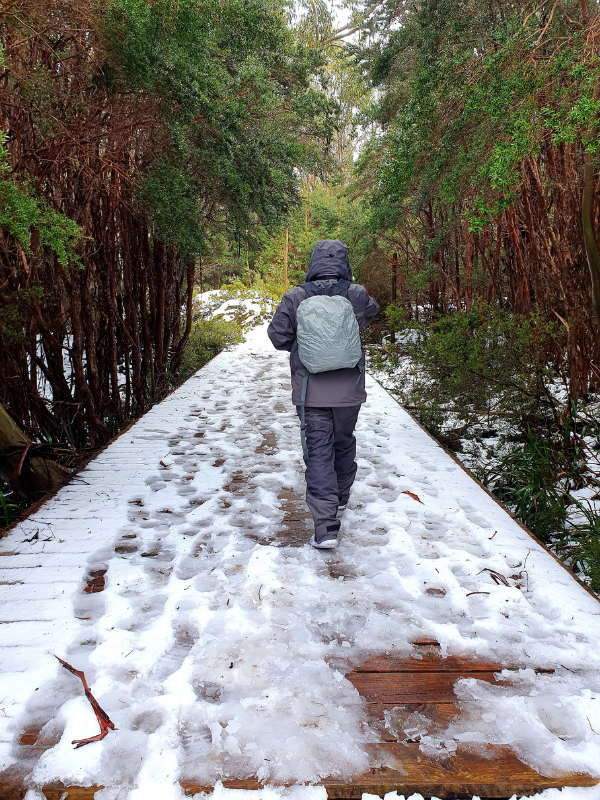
[
  {"x": 58, "y": 567},
  {"x": 416, "y": 689}
]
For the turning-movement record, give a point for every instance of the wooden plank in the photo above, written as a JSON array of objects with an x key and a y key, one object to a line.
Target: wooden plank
[
  {"x": 411, "y": 687},
  {"x": 431, "y": 716},
  {"x": 54, "y": 791},
  {"x": 57, "y": 791},
  {"x": 425, "y": 642},
  {"x": 12, "y": 792},
  {"x": 395, "y": 767},
  {"x": 429, "y": 663},
  {"x": 95, "y": 581},
  {"x": 443, "y": 713},
  {"x": 406, "y": 771}
]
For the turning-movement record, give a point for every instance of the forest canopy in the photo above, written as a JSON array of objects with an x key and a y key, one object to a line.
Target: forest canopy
[
  {"x": 134, "y": 134},
  {"x": 483, "y": 171}
]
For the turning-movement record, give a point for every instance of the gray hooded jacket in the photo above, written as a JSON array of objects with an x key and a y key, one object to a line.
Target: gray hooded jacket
[{"x": 328, "y": 263}]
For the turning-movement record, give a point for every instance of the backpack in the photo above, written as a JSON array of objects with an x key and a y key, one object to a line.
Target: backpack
[
  {"x": 327, "y": 336},
  {"x": 327, "y": 331}
]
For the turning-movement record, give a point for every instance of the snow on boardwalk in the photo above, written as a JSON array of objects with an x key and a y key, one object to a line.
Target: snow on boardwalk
[{"x": 214, "y": 644}]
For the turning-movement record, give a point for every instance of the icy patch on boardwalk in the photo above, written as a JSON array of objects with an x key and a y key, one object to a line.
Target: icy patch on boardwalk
[{"x": 218, "y": 650}]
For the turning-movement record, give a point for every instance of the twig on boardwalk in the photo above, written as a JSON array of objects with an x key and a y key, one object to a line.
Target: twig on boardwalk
[
  {"x": 495, "y": 576},
  {"x": 101, "y": 715}
]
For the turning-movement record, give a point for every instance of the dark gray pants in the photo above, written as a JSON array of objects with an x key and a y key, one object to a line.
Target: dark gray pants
[{"x": 330, "y": 467}]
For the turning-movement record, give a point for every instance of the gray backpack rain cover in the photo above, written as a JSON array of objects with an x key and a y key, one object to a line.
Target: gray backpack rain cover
[{"x": 328, "y": 336}]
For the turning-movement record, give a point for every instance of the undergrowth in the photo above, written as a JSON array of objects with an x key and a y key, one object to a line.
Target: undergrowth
[
  {"x": 207, "y": 338},
  {"x": 222, "y": 317},
  {"x": 484, "y": 384},
  {"x": 8, "y": 510}
]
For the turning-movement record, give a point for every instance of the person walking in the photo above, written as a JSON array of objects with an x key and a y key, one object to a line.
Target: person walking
[{"x": 319, "y": 323}]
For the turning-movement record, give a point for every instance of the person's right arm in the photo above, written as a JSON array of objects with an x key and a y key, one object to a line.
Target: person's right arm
[{"x": 282, "y": 330}]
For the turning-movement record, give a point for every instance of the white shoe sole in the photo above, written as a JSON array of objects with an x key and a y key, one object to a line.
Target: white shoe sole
[
  {"x": 327, "y": 544},
  {"x": 340, "y": 511}
]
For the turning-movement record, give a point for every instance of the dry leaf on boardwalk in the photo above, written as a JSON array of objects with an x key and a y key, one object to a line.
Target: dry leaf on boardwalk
[{"x": 414, "y": 496}]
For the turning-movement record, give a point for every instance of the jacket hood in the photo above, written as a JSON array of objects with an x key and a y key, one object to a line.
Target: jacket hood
[{"x": 329, "y": 257}]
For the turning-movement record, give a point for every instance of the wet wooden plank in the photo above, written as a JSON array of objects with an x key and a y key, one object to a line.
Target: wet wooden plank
[
  {"x": 489, "y": 772},
  {"x": 402, "y": 768},
  {"x": 412, "y": 687},
  {"x": 433, "y": 662},
  {"x": 409, "y": 721},
  {"x": 438, "y": 712},
  {"x": 397, "y": 767},
  {"x": 57, "y": 791},
  {"x": 429, "y": 663},
  {"x": 30, "y": 735},
  {"x": 95, "y": 582}
]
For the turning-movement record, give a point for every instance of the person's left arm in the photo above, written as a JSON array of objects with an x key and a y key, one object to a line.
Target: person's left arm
[{"x": 365, "y": 308}]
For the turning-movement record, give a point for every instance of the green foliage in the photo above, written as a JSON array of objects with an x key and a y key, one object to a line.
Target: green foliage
[
  {"x": 396, "y": 318},
  {"x": 581, "y": 543},
  {"x": 326, "y": 212},
  {"x": 266, "y": 292},
  {"x": 175, "y": 207},
  {"x": 22, "y": 213},
  {"x": 207, "y": 339},
  {"x": 465, "y": 359},
  {"x": 526, "y": 480},
  {"x": 238, "y": 113},
  {"x": 467, "y": 92},
  {"x": 8, "y": 511}
]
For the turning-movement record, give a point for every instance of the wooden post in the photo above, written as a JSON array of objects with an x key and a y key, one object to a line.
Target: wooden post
[
  {"x": 285, "y": 259},
  {"x": 394, "y": 292}
]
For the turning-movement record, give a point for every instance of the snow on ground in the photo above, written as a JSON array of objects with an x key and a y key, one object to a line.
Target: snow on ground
[
  {"x": 245, "y": 306},
  {"x": 218, "y": 651}
]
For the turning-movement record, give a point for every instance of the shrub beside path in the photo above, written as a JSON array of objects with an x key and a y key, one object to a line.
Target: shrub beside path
[{"x": 439, "y": 649}]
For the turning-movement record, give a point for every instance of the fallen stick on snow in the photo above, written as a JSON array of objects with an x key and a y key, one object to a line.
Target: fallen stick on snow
[
  {"x": 101, "y": 715},
  {"x": 496, "y": 576}
]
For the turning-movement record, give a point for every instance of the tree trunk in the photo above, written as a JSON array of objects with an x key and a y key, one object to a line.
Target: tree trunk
[{"x": 589, "y": 235}]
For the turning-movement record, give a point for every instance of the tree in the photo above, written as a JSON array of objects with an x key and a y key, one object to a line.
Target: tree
[
  {"x": 135, "y": 134},
  {"x": 488, "y": 117}
]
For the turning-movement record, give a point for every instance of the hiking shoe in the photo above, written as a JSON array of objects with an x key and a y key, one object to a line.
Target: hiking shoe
[
  {"x": 326, "y": 544},
  {"x": 340, "y": 510}
]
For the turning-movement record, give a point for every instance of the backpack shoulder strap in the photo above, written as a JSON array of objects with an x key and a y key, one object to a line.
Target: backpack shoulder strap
[
  {"x": 311, "y": 289},
  {"x": 340, "y": 288}
]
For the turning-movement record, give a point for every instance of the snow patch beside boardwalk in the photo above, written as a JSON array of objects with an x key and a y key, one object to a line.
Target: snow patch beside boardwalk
[{"x": 218, "y": 653}]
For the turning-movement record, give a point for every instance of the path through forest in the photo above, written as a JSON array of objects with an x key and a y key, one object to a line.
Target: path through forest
[{"x": 175, "y": 571}]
